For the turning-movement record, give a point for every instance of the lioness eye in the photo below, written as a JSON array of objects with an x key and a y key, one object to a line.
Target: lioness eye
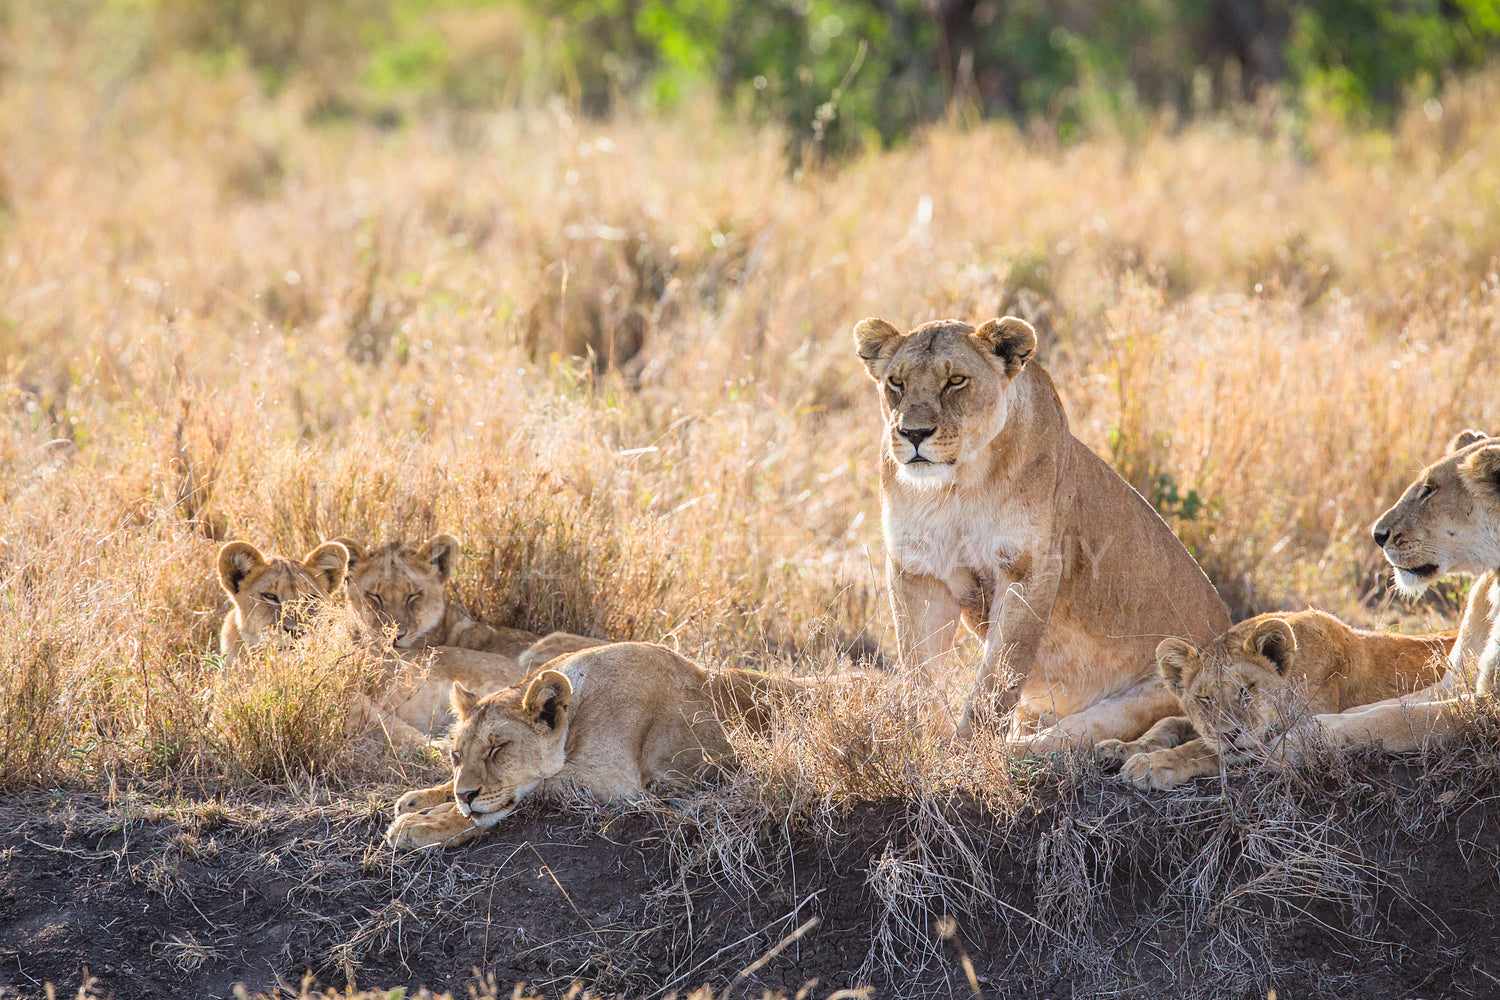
[
  {"x": 498, "y": 747},
  {"x": 270, "y": 598},
  {"x": 956, "y": 381},
  {"x": 412, "y": 599},
  {"x": 1427, "y": 491},
  {"x": 374, "y": 599},
  {"x": 896, "y": 383}
]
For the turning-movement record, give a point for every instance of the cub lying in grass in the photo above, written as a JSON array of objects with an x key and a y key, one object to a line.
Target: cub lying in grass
[
  {"x": 610, "y": 721},
  {"x": 273, "y": 599},
  {"x": 1251, "y": 684},
  {"x": 403, "y": 585}
]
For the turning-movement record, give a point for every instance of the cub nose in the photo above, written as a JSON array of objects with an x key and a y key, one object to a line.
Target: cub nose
[
  {"x": 1380, "y": 536},
  {"x": 916, "y": 435}
]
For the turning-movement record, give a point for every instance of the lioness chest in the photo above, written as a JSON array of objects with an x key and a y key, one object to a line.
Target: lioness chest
[{"x": 961, "y": 540}]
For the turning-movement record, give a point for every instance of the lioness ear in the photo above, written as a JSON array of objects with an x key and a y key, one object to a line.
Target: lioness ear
[
  {"x": 1275, "y": 640},
  {"x": 441, "y": 551},
  {"x": 237, "y": 560},
  {"x": 1481, "y": 474},
  {"x": 328, "y": 563},
  {"x": 356, "y": 550},
  {"x": 1011, "y": 339},
  {"x": 463, "y": 701},
  {"x": 546, "y": 699},
  {"x": 876, "y": 341},
  {"x": 1465, "y": 438},
  {"x": 1172, "y": 658}
]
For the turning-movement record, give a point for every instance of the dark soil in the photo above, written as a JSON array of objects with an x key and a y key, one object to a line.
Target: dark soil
[{"x": 1377, "y": 883}]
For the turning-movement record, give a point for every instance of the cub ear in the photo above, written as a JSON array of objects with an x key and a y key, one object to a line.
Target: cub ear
[
  {"x": 463, "y": 701},
  {"x": 1275, "y": 640},
  {"x": 1011, "y": 339},
  {"x": 442, "y": 552},
  {"x": 1481, "y": 474},
  {"x": 1173, "y": 657},
  {"x": 546, "y": 698},
  {"x": 355, "y": 549},
  {"x": 876, "y": 341},
  {"x": 1465, "y": 438},
  {"x": 328, "y": 563},
  {"x": 238, "y": 560}
]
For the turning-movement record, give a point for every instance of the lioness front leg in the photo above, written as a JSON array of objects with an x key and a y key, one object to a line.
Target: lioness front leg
[
  {"x": 424, "y": 798},
  {"x": 1019, "y": 620},
  {"x": 926, "y": 615},
  {"x": 1162, "y": 769},
  {"x": 1170, "y": 732}
]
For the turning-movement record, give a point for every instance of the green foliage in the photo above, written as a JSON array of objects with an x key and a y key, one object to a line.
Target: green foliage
[{"x": 845, "y": 73}]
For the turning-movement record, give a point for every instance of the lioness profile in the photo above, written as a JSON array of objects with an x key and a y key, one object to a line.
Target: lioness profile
[
  {"x": 1242, "y": 691},
  {"x": 996, "y": 515},
  {"x": 1447, "y": 521},
  {"x": 271, "y": 596},
  {"x": 611, "y": 720}
]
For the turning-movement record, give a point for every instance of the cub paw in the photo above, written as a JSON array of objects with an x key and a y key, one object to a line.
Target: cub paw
[
  {"x": 1157, "y": 771},
  {"x": 423, "y": 798},
  {"x": 1115, "y": 750},
  {"x": 438, "y": 825}
]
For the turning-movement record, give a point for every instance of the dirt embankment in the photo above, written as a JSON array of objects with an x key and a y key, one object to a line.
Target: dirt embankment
[{"x": 1376, "y": 881}]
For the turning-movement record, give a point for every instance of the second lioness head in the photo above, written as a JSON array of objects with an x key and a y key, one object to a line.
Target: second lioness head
[{"x": 943, "y": 390}]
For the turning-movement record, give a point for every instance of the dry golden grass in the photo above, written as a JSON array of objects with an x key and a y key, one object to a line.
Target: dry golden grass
[{"x": 614, "y": 359}]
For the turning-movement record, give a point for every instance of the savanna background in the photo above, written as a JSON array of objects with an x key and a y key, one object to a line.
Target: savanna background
[{"x": 575, "y": 280}]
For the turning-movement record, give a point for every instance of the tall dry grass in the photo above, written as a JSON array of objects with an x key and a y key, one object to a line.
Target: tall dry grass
[{"x": 614, "y": 359}]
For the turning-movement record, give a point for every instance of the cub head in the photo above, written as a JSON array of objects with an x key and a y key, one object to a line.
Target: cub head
[
  {"x": 508, "y": 743},
  {"x": 944, "y": 390},
  {"x": 1238, "y": 690},
  {"x": 401, "y": 585},
  {"x": 1448, "y": 520},
  {"x": 273, "y": 595}
]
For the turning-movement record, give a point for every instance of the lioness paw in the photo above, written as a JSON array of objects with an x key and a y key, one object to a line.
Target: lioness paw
[{"x": 439, "y": 825}]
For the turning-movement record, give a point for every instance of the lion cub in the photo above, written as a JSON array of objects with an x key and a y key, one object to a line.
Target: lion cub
[
  {"x": 1253, "y": 683},
  {"x": 272, "y": 595},
  {"x": 610, "y": 720}
]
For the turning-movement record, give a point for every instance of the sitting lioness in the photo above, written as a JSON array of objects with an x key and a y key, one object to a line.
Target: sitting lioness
[
  {"x": 1447, "y": 521},
  {"x": 404, "y": 586},
  {"x": 1242, "y": 691},
  {"x": 271, "y": 595},
  {"x": 610, "y": 720},
  {"x": 996, "y": 515}
]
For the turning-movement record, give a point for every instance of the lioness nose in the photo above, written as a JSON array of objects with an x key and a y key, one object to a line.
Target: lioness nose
[
  {"x": 1380, "y": 536},
  {"x": 916, "y": 435},
  {"x": 468, "y": 796}
]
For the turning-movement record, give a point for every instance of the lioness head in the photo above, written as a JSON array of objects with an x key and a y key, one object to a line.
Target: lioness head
[
  {"x": 1448, "y": 520},
  {"x": 401, "y": 585},
  {"x": 943, "y": 389},
  {"x": 1236, "y": 690},
  {"x": 508, "y": 743},
  {"x": 273, "y": 596}
]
